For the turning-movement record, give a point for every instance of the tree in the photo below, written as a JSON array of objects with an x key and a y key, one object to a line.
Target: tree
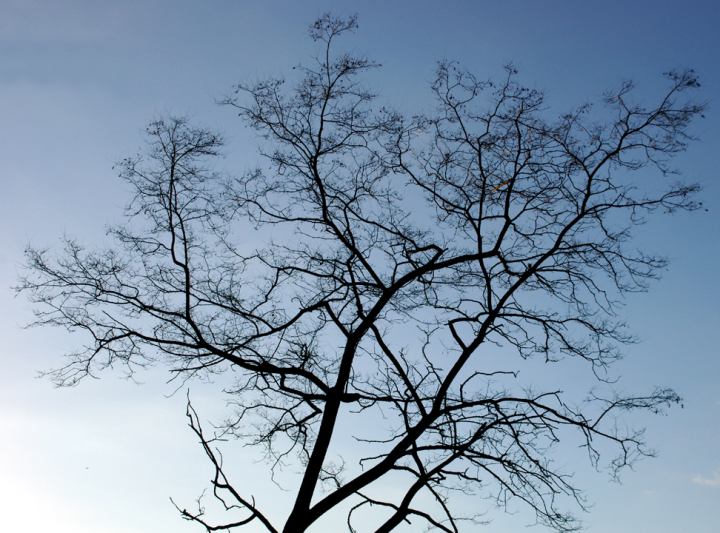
[{"x": 404, "y": 250}]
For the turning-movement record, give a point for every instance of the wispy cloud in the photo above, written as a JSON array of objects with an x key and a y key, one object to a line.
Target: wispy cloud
[{"x": 713, "y": 481}]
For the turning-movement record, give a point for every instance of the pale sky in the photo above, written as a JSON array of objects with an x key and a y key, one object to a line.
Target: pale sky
[{"x": 79, "y": 80}]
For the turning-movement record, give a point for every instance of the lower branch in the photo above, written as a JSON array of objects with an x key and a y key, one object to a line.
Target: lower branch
[{"x": 220, "y": 483}]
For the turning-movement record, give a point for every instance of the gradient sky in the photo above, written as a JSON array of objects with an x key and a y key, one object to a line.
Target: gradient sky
[{"x": 80, "y": 80}]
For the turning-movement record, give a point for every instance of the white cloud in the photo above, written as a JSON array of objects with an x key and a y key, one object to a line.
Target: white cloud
[{"x": 713, "y": 481}]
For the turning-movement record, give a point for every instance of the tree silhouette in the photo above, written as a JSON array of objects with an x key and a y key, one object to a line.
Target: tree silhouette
[{"x": 404, "y": 250}]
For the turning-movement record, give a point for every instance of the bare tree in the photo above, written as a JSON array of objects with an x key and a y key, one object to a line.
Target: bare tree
[{"x": 406, "y": 250}]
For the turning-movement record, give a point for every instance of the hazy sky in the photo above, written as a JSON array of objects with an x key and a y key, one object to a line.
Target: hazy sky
[{"x": 80, "y": 80}]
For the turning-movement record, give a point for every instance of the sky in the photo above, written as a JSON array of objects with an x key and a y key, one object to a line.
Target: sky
[{"x": 79, "y": 80}]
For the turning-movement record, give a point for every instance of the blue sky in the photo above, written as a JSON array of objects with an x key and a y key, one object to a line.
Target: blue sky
[{"x": 80, "y": 80}]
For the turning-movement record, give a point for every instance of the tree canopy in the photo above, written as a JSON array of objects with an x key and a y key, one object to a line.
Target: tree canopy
[{"x": 403, "y": 251}]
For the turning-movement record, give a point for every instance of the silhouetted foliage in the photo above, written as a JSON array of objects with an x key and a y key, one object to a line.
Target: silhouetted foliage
[{"x": 406, "y": 249}]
